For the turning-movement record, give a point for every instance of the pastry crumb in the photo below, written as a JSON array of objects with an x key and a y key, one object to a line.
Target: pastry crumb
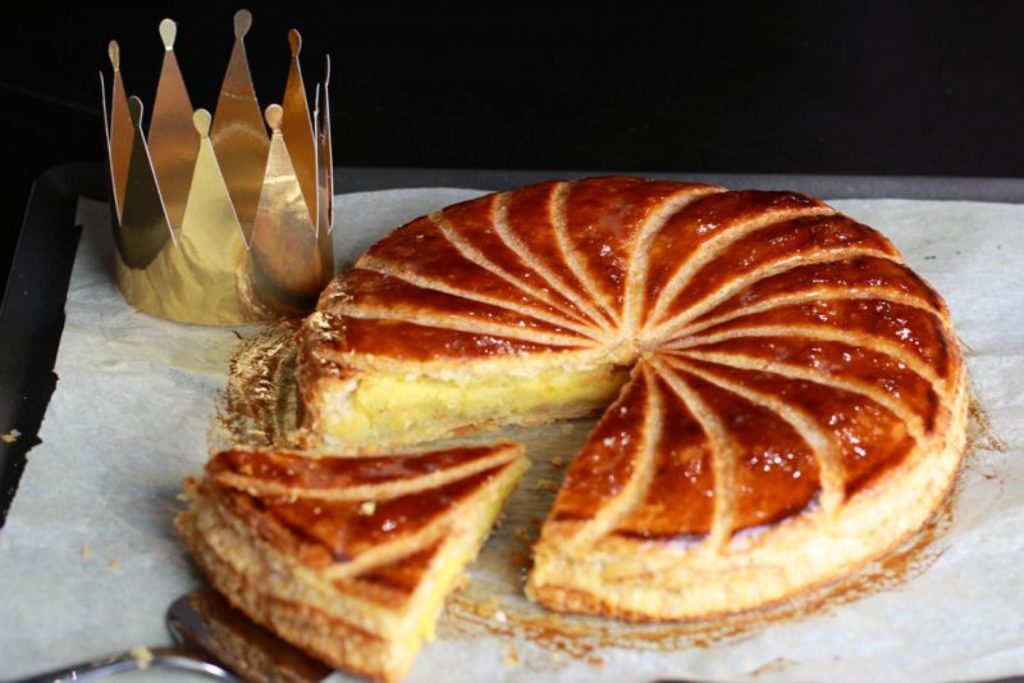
[
  {"x": 558, "y": 461},
  {"x": 500, "y": 617},
  {"x": 566, "y": 428},
  {"x": 11, "y": 436},
  {"x": 774, "y": 666},
  {"x": 86, "y": 552},
  {"x": 522, "y": 533},
  {"x": 488, "y": 608},
  {"x": 115, "y": 564},
  {"x": 511, "y": 655},
  {"x": 546, "y": 485},
  {"x": 142, "y": 656},
  {"x": 367, "y": 508},
  {"x": 521, "y": 560}
]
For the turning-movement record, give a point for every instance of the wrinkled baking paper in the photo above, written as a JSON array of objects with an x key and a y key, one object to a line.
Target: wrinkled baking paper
[{"x": 89, "y": 559}]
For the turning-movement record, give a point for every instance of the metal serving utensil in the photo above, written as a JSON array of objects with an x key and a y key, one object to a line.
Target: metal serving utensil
[
  {"x": 208, "y": 631},
  {"x": 205, "y": 620},
  {"x": 182, "y": 621},
  {"x": 180, "y": 659},
  {"x": 213, "y": 639}
]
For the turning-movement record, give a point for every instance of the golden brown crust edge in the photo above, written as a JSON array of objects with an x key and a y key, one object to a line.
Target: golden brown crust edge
[{"x": 729, "y": 585}]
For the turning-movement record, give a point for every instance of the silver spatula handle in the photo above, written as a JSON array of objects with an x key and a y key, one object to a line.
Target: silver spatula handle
[{"x": 178, "y": 658}]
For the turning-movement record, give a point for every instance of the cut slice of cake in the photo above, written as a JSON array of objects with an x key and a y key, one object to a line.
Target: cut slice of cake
[{"x": 349, "y": 559}]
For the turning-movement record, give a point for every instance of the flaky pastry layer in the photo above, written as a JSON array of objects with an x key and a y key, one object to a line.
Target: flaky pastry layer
[{"x": 372, "y": 621}]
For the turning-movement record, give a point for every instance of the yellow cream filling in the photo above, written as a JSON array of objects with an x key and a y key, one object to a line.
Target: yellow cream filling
[
  {"x": 460, "y": 554},
  {"x": 387, "y": 409}
]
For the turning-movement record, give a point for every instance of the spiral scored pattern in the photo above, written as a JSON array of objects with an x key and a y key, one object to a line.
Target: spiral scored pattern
[{"x": 786, "y": 363}]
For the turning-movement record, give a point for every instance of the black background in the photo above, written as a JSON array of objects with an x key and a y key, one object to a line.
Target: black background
[{"x": 798, "y": 87}]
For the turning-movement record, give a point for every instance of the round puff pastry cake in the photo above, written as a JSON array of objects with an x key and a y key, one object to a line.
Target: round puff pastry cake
[{"x": 784, "y": 399}]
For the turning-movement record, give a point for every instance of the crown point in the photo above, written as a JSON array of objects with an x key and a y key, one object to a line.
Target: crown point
[
  {"x": 168, "y": 32},
  {"x": 201, "y": 119},
  {"x": 243, "y": 22},
  {"x": 114, "y": 52},
  {"x": 295, "y": 40},
  {"x": 274, "y": 115},
  {"x": 135, "y": 110}
]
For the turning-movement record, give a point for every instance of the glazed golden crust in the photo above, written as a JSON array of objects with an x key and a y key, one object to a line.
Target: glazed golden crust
[
  {"x": 682, "y": 577},
  {"x": 796, "y": 387},
  {"x": 347, "y": 558}
]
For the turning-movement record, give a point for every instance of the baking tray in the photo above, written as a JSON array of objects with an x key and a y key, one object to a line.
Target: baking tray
[{"x": 32, "y": 310}]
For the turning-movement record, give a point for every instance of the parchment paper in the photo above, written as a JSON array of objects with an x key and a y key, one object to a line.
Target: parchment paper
[{"x": 89, "y": 560}]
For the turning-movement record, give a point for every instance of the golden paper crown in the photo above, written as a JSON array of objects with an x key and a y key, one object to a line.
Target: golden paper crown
[{"x": 216, "y": 221}]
